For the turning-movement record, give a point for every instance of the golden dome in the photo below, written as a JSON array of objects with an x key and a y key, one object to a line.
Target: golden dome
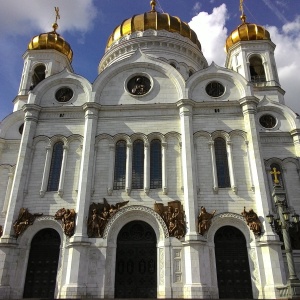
[
  {"x": 155, "y": 21},
  {"x": 51, "y": 40},
  {"x": 247, "y": 32}
]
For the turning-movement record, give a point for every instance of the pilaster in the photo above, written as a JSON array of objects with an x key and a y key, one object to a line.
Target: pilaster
[{"x": 269, "y": 251}]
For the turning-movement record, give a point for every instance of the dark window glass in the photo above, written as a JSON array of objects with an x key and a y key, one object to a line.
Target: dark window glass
[
  {"x": 56, "y": 161},
  {"x": 120, "y": 166},
  {"x": 257, "y": 70},
  {"x": 38, "y": 75},
  {"x": 138, "y": 165},
  {"x": 155, "y": 165},
  {"x": 222, "y": 163}
]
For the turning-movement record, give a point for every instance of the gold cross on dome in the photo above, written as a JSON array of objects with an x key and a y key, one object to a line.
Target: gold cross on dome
[
  {"x": 57, "y": 16},
  {"x": 243, "y": 16},
  {"x": 153, "y": 4},
  {"x": 275, "y": 173}
]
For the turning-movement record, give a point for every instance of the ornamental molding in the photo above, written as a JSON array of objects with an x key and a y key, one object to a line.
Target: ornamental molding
[
  {"x": 140, "y": 213},
  {"x": 229, "y": 219},
  {"x": 276, "y": 139}
]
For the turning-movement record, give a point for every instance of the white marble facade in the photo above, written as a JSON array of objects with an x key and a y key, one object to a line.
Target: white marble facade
[{"x": 177, "y": 111}]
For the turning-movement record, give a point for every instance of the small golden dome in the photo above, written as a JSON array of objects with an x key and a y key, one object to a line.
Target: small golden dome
[
  {"x": 51, "y": 40},
  {"x": 247, "y": 32},
  {"x": 155, "y": 21}
]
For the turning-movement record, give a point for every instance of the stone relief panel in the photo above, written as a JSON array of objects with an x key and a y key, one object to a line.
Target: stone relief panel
[{"x": 177, "y": 265}]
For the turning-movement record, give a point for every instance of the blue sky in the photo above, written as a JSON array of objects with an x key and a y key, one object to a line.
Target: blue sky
[{"x": 87, "y": 24}]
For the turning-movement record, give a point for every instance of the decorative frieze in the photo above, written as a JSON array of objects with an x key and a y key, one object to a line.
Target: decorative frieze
[
  {"x": 174, "y": 217},
  {"x": 67, "y": 217},
  {"x": 25, "y": 219}
]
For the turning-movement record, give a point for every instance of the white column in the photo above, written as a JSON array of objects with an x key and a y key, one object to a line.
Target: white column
[
  {"x": 196, "y": 170},
  {"x": 270, "y": 267},
  {"x": 214, "y": 166},
  {"x": 94, "y": 170},
  {"x": 8, "y": 191},
  {"x": 63, "y": 171},
  {"x": 249, "y": 167},
  {"x": 128, "y": 169},
  {"x": 23, "y": 162},
  {"x": 146, "y": 168},
  {"x": 29, "y": 171},
  {"x": 46, "y": 171},
  {"x": 195, "y": 284},
  {"x": 231, "y": 167},
  {"x": 76, "y": 280},
  {"x": 164, "y": 168},
  {"x": 2, "y": 146},
  {"x": 296, "y": 139},
  {"x": 111, "y": 169}
]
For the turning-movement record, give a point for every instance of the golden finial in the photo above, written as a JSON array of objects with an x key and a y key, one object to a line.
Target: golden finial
[
  {"x": 57, "y": 16},
  {"x": 275, "y": 173},
  {"x": 153, "y": 4},
  {"x": 243, "y": 16}
]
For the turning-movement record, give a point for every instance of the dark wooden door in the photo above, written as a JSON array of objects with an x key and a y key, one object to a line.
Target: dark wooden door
[
  {"x": 232, "y": 264},
  {"x": 41, "y": 272},
  {"x": 136, "y": 271}
]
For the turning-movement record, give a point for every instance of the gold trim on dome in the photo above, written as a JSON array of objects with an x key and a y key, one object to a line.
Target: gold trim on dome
[
  {"x": 52, "y": 40},
  {"x": 155, "y": 21}
]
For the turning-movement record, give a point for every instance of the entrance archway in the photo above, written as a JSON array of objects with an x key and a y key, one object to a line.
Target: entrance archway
[
  {"x": 136, "y": 260},
  {"x": 233, "y": 272},
  {"x": 43, "y": 258}
]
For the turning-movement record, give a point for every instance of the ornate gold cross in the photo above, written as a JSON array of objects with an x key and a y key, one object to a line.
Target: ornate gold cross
[
  {"x": 57, "y": 16},
  {"x": 243, "y": 16},
  {"x": 275, "y": 173}
]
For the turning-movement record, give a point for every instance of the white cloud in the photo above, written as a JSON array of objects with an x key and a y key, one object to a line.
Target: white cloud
[
  {"x": 212, "y": 33},
  {"x": 18, "y": 17},
  {"x": 196, "y": 8},
  {"x": 287, "y": 40}
]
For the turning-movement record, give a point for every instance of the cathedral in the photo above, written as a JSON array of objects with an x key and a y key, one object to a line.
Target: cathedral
[{"x": 164, "y": 178}]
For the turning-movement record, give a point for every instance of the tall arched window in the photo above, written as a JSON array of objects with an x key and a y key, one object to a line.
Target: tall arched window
[
  {"x": 138, "y": 165},
  {"x": 56, "y": 161},
  {"x": 120, "y": 166},
  {"x": 222, "y": 163},
  {"x": 257, "y": 70},
  {"x": 38, "y": 75},
  {"x": 155, "y": 165}
]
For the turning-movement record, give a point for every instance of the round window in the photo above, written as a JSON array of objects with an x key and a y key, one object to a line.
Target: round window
[
  {"x": 64, "y": 94},
  {"x": 139, "y": 85},
  {"x": 215, "y": 89},
  {"x": 267, "y": 121}
]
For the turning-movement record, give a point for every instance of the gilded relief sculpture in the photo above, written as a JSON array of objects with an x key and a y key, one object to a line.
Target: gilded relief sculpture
[
  {"x": 67, "y": 217},
  {"x": 174, "y": 217},
  {"x": 252, "y": 221},
  {"x": 99, "y": 214},
  {"x": 204, "y": 220},
  {"x": 25, "y": 219}
]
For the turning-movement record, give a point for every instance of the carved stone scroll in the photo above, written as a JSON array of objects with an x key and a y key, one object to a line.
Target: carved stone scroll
[
  {"x": 252, "y": 221},
  {"x": 67, "y": 217},
  {"x": 25, "y": 219},
  {"x": 174, "y": 217},
  {"x": 99, "y": 214}
]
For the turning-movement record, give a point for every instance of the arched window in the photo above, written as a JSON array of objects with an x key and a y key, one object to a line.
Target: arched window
[
  {"x": 120, "y": 166},
  {"x": 38, "y": 75},
  {"x": 278, "y": 174},
  {"x": 222, "y": 163},
  {"x": 155, "y": 165},
  {"x": 257, "y": 70},
  {"x": 56, "y": 161},
  {"x": 138, "y": 165}
]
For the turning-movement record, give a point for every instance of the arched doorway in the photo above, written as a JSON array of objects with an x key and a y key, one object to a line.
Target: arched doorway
[
  {"x": 136, "y": 271},
  {"x": 43, "y": 258},
  {"x": 232, "y": 264}
]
